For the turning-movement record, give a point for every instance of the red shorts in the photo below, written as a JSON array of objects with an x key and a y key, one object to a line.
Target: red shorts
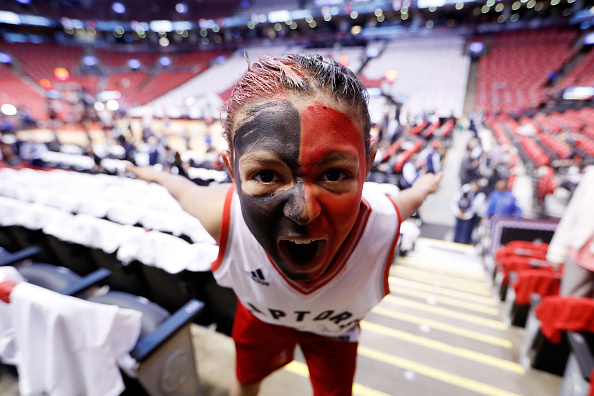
[{"x": 263, "y": 348}]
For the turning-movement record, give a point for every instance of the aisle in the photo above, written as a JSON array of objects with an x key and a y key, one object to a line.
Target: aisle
[{"x": 440, "y": 332}]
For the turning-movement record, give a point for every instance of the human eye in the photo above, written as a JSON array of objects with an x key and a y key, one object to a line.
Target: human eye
[
  {"x": 266, "y": 176},
  {"x": 334, "y": 175}
]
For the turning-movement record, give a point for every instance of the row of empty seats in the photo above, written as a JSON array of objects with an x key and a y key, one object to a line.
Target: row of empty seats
[
  {"x": 165, "y": 258},
  {"x": 17, "y": 91},
  {"x": 67, "y": 336},
  {"x": 38, "y": 62},
  {"x": 558, "y": 335},
  {"x": 513, "y": 74},
  {"x": 432, "y": 73},
  {"x": 135, "y": 10},
  {"x": 204, "y": 90},
  {"x": 581, "y": 74}
]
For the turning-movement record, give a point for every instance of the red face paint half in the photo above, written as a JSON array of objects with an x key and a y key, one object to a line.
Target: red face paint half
[
  {"x": 300, "y": 168},
  {"x": 333, "y": 169}
]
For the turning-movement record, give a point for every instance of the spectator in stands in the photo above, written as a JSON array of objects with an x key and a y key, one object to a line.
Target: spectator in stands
[
  {"x": 383, "y": 128},
  {"x": 496, "y": 153},
  {"x": 469, "y": 167},
  {"x": 299, "y": 150},
  {"x": 574, "y": 175},
  {"x": 90, "y": 152},
  {"x": 147, "y": 133},
  {"x": 208, "y": 140},
  {"x": 476, "y": 147},
  {"x": 6, "y": 126},
  {"x": 472, "y": 127},
  {"x": 168, "y": 157},
  {"x": 502, "y": 202},
  {"x": 431, "y": 157},
  {"x": 154, "y": 150},
  {"x": 466, "y": 206},
  {"x": 493, "y": 179},
  {"x": 210, "y": 158},
  {"x": 179, "y": 167},
  {"x": 8, "y": 151},
  {"x": 26, "y": 120},
  {"x": 31, "y": 152},
  {"x": 410, "y": 172},
  {"x": 129, "y": 148},
  {"x": 573, "y": 242}
]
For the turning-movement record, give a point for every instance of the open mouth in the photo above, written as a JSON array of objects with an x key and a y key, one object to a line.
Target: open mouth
[{"x": 302, "y": 252}]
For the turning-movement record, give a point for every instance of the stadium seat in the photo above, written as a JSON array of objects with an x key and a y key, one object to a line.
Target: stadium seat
[
  {"x": 525, "y": 283},
  {"x": 61, "y": 279},
  {"x": 8, "y": 258},
  {"x": 578, "y": 372},
  {"x": 162, "y": 359},
  {"x": 550, "y": 357},
  {"x": 545, "y": 346}
]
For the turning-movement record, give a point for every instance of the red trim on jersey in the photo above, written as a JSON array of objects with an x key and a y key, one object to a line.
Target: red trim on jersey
[
  {"x": 224, "y": 235},
  {"x": 392, "y": 249},
  {"x": 345, "y": 254}
]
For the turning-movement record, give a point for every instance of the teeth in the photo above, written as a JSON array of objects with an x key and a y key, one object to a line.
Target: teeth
[{"x": 303, "y": 241}]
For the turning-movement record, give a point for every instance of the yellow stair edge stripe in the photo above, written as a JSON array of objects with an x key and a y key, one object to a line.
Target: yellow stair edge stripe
[
  {"x": 401, "y": 282},
  {"x": 452, "y": 302},
  {"x": 419, "y": 263},
  {"x": 460, "y": 331},
  {"x": 431, "y": 372},
  {"x": 445, "y": 348},
  {"x": 474, "y": 284},
  {"x": 300, "y": 369},
  {"x": 495, "y": 324},
  {"x": 448, "y": 284},
  {"x": 448, "y": 245}
]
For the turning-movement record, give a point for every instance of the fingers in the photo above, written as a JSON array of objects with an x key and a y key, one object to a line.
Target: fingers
[{"x": 438, "y": 177}]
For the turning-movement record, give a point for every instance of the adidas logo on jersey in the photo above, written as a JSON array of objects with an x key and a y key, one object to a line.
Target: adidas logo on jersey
[{"x": 258, "y": 277}]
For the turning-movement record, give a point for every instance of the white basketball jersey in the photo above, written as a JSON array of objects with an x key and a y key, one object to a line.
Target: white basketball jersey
[{"x": 330, "y": 306}]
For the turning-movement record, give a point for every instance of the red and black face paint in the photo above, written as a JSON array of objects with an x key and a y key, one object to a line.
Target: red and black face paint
[{"x": 299, "y": 179}]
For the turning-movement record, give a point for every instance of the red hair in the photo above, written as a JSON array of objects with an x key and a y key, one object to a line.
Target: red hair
[{"x": 305, "y": 74}]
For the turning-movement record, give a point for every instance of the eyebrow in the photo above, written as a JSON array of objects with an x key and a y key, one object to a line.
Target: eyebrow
[
  {"x": 261, "y": 156},
  {"x": 337, "y": 156}
]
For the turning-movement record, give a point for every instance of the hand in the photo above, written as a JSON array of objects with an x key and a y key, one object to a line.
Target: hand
[
  {"x": 429, "y": 182},
  {"x": 146, "y": 173},
  {"x": 556, "y": 267}
]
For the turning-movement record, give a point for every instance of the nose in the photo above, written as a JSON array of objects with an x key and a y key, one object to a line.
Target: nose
[{"x": 302, "y": 207}]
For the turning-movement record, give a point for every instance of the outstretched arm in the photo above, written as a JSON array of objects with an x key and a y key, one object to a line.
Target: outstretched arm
[
  {"x": 411, "y": 199},
  {"x": 204, "y": 203}
]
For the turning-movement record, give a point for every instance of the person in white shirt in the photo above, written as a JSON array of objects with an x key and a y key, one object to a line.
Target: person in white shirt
[{"x": 295, "y": 229}]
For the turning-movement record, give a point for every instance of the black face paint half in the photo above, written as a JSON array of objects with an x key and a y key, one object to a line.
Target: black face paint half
[{"x": 275, "y": 127}]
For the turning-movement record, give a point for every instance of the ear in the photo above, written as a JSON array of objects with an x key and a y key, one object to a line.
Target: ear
[{"x": 228, "y": 161}]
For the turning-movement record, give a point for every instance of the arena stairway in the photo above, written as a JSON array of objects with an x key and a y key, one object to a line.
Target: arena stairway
[{"x": 439, "y": 332}]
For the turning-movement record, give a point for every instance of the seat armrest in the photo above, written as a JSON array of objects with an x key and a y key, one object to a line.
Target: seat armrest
[
  {"x": 513, "y": 276},
  {"x": 92, "y": 279},
  {"x": 534, "y": 300},
  {"x": 582, "y": 352},
  {"x": 12, "y": 258},
  {"x": 172, "y": 324}
]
